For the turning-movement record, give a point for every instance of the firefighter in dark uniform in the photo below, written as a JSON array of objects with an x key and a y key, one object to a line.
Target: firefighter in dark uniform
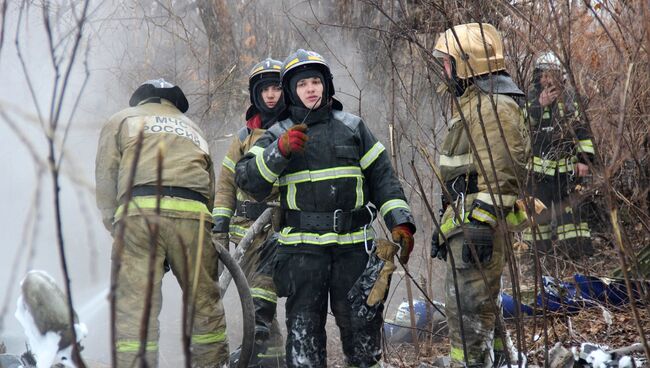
[
  {"x": 235, "y": 211},
  {"x": 329, "y": 167},
  {"x": 562, "y": 152}
]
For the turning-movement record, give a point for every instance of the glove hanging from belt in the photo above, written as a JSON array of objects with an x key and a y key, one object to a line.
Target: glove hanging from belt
[{"x": 368, "y": 292}]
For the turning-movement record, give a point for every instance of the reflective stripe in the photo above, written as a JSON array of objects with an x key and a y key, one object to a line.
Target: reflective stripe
[
  {"x": 570, "y": 231},
  {"x": 272, "y": 352},
  {"x": 291, "y": 197},
  {"x": 547, "y": 114},
  {"x": 497, "y": 344},
  {"x": 508, "y": 200},
  {"x": 543, "y": 233},
  {"x": 264, "y": 170},
  {"x": 456, "y": 160},
  {"x": 484, "y": 216},
  {"x": 371, "y": 155},
  {"x": 237, "y": 230},
  {"x": 268, "y": 295},
  {"x": 288, "y": 238},
  {"x": 228, "y": 163},
  {"x": 133, "y": 346},
  {"x": 457, "y": 354},
  {"x": 166, "y": 203},
  {"x": 256, "y": 150},
  {"x": 359, "y": 202},
  {"x": 566, "y": 165},
  {"x": 393, "y": 204},
  {"x": 516, "y": 217},
  {"x": 324, "y": 174},
  {"x": 449, "y": 225},
  {"x": 209, "y": 338},
  {"x": 222, "y": 211},
  {"x": 560, "y": 108},
  {"x": 586, "y": 146}
]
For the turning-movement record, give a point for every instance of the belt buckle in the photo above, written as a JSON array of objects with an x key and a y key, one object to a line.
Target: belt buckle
[{"x": 335, "y": 226}]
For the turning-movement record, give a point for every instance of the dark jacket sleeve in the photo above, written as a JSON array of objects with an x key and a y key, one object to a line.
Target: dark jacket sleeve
[
  {"x": 583, "y": 138},
  {"x": 256, "y": 172},
  {"x": 385, "y": 189}
]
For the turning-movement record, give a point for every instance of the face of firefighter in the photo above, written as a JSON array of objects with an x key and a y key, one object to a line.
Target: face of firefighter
[
  {"x": 310, "y": 92},
  {"x": 446, "y": 61},
  {"x": 550, "y": 78},
  {"x": 271, "y": 95}
]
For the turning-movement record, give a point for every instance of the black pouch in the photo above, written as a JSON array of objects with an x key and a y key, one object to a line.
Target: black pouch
[{"x": 481, "y": 238}]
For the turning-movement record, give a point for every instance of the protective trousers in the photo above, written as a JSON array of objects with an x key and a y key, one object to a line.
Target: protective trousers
[
  {"x": 257, "y": 265},
  {"x": 479, "y": 304},
  {"x": 178, "y": 243},
  {"x": 306, "y": 274},
  {"x": 572, "y": 233}
]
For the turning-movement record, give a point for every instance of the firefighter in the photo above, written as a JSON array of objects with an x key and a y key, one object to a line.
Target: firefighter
[
  {"x": 186, "y": 193},
  {"x": 562, "y": 153},
  {"x": 482, "y": 164},
  {"x": 329, "y": 167},
  {"x": 235, "y": 211}
]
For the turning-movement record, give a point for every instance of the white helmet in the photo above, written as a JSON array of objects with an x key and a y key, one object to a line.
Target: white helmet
[{"x": 548, "y": 61}]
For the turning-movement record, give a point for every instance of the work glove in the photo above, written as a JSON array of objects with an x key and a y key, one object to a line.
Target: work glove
[
  {"x": 373, "y": 282},
  {"x": 386, "y": 252},
  {"x": 293, "y": 140},
  {"x": 403, "y": 235},
  {"x": 222, "y": 239},
  {"x": 438, "y": 250}
]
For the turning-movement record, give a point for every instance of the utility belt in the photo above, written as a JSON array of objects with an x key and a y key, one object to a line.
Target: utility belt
[
  {"x": 338, "y": 221},
  {"x": 250, "y": 210},
  {"x": 460, "y": 186},
  {"x": 169, "y": 191}
]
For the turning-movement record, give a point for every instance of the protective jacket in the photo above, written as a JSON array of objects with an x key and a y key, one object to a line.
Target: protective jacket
[
  {"x": 503, "y": 158},
  {"x": 230, "y": 200},
  {"x": 559, "y": 137},
  {"x": 342, "y": 169},
  {"x": 116, "y": 151}
]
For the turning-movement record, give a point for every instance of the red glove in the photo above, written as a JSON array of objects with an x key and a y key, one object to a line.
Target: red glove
[
  {"x": 403, "y": 235},
  {"x": 293, "y": 140}
]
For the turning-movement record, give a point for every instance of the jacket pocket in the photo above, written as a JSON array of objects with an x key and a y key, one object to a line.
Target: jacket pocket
[{"x": 347, "y": 154}]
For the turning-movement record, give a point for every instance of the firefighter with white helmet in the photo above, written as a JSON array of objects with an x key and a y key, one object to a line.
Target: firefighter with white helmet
[
  {"x": 482, "y": 163},
  {"x": 562, "y": 154}
]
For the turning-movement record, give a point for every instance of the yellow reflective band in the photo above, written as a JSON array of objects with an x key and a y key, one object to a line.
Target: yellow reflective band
[
  {"x": 560, "y": 107},
  {"x": 166, "y": 203},
  {"x": 257, "y": 70},
  {"x": 268, "y": 295},
  {"x": 273, "y": 352},
  {"x": 324, "y": 174},
  {"x": 371, "y": 155},
  {"x": 570, "y": 231},
  {"x": 576, "y": 113},
  {"x": 256, "y": 150},
  {"x": 276, "y": 67},
  {"x": 484, "y": 216},
  {"x": 209, "y": 338},
  {"x": 314, "y": 58},
  {"x": 291, "y": 197},
  {"x": 449, "y": 225},
  {"x": 547, "y": 113},
  {"x": 586, "y": 146},
  {"x": 505, "y": 200},
  {"x": 222, "y": 211},
  {"x": 237, "y": 230},
  {"x": 528, "y": 236},
  {"x": 497, "y": 344},
  {"x": 291, "y": 63},
  {"x": 393, "y": 204},
  {"x": 359, "y": 201},
  {"x": 288, "y": 238},
  {"x": 133, "y": 346},
  {"x": 264, "y": 170},
  {"x": 516, "y": 217},
  {"x": 457, "y": 354},
  {"x": 228, "y": 163},
  {"x": 456, "y": 160}
]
